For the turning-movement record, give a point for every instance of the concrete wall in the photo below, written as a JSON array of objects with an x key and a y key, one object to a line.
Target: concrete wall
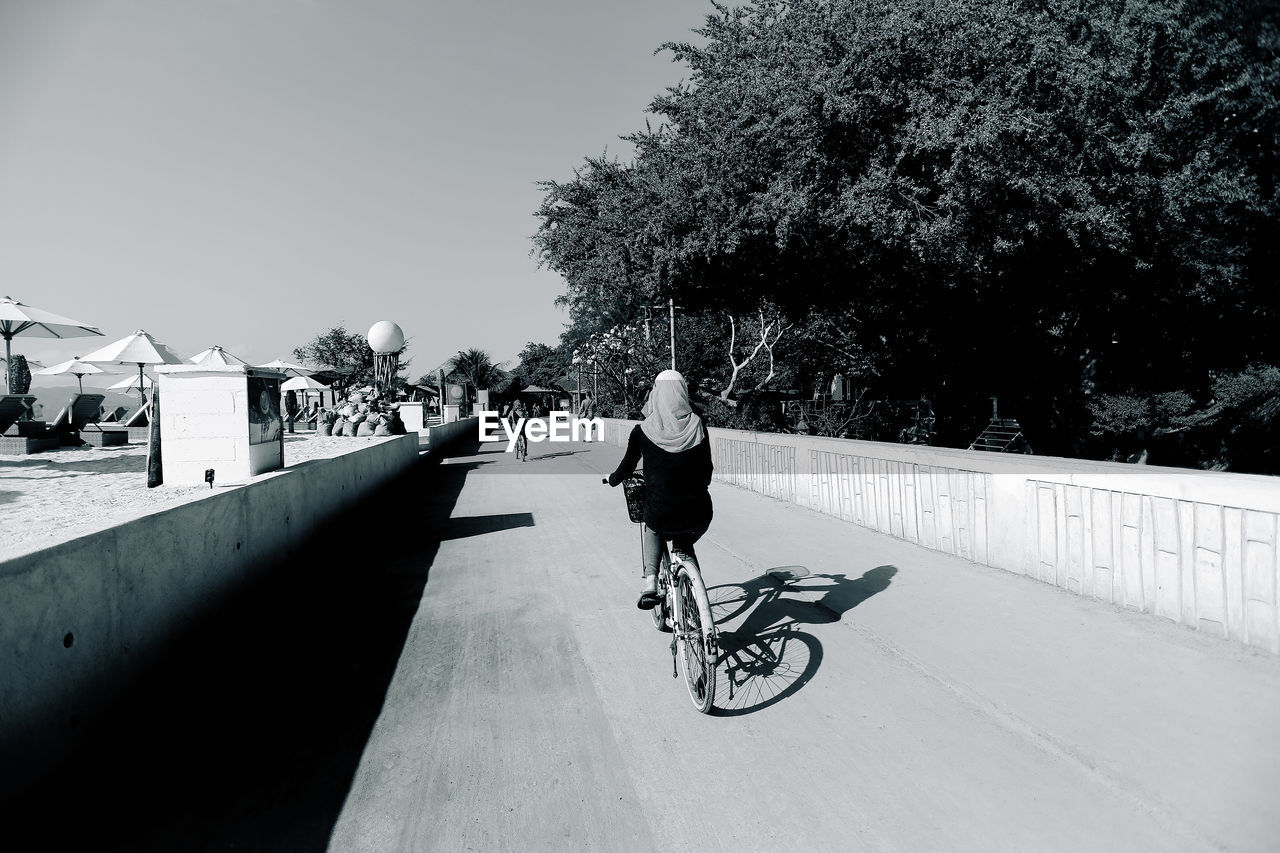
[
  {"x": 440, "y": 437},
  {"x": 82, "y": 620},
  {"x": 1196, "y": 547}
]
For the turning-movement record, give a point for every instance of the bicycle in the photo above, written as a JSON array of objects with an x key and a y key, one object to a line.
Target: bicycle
[
  {"x": 522, "y": 446},
  {"x": 684, "y": 611}
]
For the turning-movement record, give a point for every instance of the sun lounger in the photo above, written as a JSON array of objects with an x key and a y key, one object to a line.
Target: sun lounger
[
  {"x": 20, "y": 445},
  {"x": 140, "y": 418},
  {"x": 18, "y": 438},
  {"x": 104, "y": 435},
  {"x": 304, "y": 420},
  {"x": 139, "y": 425},
  {"x": 12, "y": 408},
  {"x": 79, "y": 412},
  {"x": 99, "y": 436}
]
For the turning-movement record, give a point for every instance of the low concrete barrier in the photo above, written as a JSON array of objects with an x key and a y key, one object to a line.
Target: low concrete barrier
[
  {"x": 443, "y": 435},
  {"x": 82, "y": 620},
  {"x": 1196, "y": 547}
]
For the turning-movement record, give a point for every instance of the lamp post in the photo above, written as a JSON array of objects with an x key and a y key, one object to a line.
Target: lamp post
[
  {"x": 671, "y": 307},
  {"x": 577, "y": 362},
  {"x": 386, "y": 340}
]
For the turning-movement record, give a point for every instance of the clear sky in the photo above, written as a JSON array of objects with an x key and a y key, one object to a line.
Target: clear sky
[{"x": 250, "y": 173}]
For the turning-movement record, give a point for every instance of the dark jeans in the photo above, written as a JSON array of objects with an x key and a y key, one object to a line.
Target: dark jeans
[{"x": 651, "y": 545}]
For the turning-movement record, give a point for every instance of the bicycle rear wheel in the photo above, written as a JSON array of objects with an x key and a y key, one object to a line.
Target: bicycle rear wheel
[
  {"x": 695, "y": 635},
  {"x": 522, "y": 448}
]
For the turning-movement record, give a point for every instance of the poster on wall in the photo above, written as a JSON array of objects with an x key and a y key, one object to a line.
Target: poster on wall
[{"x": 265, "y": 422}]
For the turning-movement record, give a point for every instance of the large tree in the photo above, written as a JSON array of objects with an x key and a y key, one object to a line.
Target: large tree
[
  {"x": 476, "y": 368},
  {"x": 1033, "y": 201},
  {"x": 541, "y": 365}
]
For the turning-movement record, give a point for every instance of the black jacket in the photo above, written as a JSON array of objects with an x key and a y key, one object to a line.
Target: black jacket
[{"x": 675, "y": 493}]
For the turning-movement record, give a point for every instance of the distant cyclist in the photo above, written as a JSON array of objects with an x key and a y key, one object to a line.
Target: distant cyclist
[
  {"x": 515, "y": 412},
  {"x": 676, "y": 451}
]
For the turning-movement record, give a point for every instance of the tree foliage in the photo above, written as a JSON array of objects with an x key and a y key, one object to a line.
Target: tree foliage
[
  {"x": 476, "y": 368},
  {"x": 540, "y": 365},
  {"x": 1233, "y": 428},
  {"x": 964, "y": 198},
  {"x": 18, "y": 374}
]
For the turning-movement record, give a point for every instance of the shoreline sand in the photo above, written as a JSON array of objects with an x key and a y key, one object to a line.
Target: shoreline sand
[{"x": 55, "y": 496}]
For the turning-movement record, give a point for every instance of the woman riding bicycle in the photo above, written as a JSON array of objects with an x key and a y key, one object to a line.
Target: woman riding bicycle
[{"x": 677, "y": 471}]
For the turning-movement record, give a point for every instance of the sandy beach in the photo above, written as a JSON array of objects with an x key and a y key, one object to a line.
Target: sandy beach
[{"x": 51, "y": 497}]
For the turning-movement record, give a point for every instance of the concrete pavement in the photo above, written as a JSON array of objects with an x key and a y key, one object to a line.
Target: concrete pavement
[{"x": 897, "y": 699}]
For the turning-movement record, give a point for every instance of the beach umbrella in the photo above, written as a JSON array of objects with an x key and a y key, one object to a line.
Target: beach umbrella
[
  {"x": 288, "y": 367},
  {"x": 19, "y": 319},
  {"x": 132, "y": 384},
  {"x": 305, "y": 384},
  {"x": 140, "y": 349},
  {"x": 75, "y": 367},
  {"x": 216, "y": 357}
]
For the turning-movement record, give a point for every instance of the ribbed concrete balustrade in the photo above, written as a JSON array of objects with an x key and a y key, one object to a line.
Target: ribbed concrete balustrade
[{"x": 1196, "y": 547}]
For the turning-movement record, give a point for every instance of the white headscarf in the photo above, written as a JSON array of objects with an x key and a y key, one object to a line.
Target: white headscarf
[{"x": 669, "y": 421}]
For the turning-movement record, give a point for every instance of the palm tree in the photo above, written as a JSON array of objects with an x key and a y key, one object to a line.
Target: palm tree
[{"x": 474, "y": 367}]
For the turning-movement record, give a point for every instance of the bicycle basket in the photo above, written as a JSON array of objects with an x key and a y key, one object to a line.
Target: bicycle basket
[{"x": 633, "y": 488}]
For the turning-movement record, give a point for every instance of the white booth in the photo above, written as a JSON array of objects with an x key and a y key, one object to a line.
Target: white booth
[
  {"x": 411, "y": 415},
  {"x": 225, "y": 418}
]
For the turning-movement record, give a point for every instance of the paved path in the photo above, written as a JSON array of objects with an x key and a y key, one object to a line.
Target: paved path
[
  {"x": 458, "y": 664},
  {"x": 898, "y": 699}
]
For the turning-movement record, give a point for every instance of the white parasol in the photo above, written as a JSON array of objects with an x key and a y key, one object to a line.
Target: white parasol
[
  {"x": 288, "y": 367},
  {"x": 75, "y": 367},
  {"x": 19, "y": 319},
  {"x": 140, "y": 349},
  {"x": 216, "y": 357},
  {"x": 131, "y": 384},
  {"x": 303, "y": 383},
  {"x": 306, "y": 386}
]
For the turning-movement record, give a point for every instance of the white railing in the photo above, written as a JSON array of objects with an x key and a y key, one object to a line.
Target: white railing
[{"x": 1196, "y": 547}]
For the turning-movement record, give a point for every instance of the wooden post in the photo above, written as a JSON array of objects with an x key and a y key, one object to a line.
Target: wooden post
[{"x": 155, "y": 470}]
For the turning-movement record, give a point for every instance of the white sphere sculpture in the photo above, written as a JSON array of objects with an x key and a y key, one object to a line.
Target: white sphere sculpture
[{"x": 385, "y": 337}]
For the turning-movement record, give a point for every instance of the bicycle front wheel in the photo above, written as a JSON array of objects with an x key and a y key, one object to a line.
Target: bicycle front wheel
[{"x": 695, "y": 635}]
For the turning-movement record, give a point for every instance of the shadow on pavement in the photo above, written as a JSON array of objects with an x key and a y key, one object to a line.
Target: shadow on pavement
[
  {"x": 478, "y": 525},
  {"x": 555, "y": 454},
  {"x": 767, "y": 657},
  {"x": 248, "y": 736}
]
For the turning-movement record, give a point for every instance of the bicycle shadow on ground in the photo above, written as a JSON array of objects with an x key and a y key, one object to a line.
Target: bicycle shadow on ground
[
  {"x": 766, "y": 657},
  {"x": 248, "y": 735}
]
